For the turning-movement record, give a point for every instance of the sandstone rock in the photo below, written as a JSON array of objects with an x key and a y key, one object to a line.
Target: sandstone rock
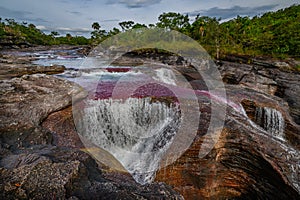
[
  {"x": 15, "y": 70},
  {"x": 49, "y": 172},
  {"x": 272, "y": 80},
  {"x": 247, "y": 162},
  {"x": 27, "y": 101},
  {"x": 14, "y": 64},
  {"x": 61, "y": 125},
  {"x": 39, "y": 146}
]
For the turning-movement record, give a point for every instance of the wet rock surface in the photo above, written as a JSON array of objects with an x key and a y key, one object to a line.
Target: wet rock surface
[
  {"x": 61, "y": 124},
  {"x": 27, "y": 101},
  {"x": 249, "y": 160},
  {"x": 268, "y": 77},
  {"x": 12, "y": 70},
  {"x": 17, "y": 66},
  {"x": 49, "y": 172}
]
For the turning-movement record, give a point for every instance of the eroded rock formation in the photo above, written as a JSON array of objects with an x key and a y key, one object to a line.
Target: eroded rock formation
[
  {"x": 40, "y": 152},
  {"x": 41, "y": 157},
  {"x": 250, "y": 160}
]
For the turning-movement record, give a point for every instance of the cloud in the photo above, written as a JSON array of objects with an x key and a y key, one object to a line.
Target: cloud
[
  {"x": 72, "y": 1},
  {"x": 36, "y": 20},
  {"x": 134, "y": 3},
  {"x": 20, "y": 15},
  {"x": 42, "y": 28},
  {"x": 5, "y": 12},
  {"x": 110, "y": 20},
  {"x": 227, "y": 13},
  {"x": 75, "y": 13},
  {"x": 68, "y": 29},
  {"x": 65, "y": 30}
]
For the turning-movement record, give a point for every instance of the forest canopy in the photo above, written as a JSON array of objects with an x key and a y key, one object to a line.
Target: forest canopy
[{"x": 274, "y": 33}]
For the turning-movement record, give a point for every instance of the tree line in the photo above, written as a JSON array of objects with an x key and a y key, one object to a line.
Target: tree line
[
  {"x": 13, "y": 33},
  {"x": 274, "y": 33}
]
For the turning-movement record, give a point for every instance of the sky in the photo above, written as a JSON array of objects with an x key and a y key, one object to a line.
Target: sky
[{"x": 77, "y": 16}]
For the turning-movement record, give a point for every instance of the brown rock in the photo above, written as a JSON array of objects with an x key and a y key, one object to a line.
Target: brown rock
[
  {"x": 61, "y": 125},
  {"x": 247, "y": 162},
  {"x": 236, "y": 168},
  {"x": 271, "y": 80},
  {"x": 17, "y": 70},
  {"x": 62, "y": 173},
  {"x": 27, "y": 101}
]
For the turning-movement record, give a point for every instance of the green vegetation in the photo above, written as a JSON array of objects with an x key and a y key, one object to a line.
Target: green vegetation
[
  {"x": 273, "y": 34},
  {"x": 13, "y": 33}
]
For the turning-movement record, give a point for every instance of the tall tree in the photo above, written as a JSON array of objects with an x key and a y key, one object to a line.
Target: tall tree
[
  {"x": 138, "y": 25},
  {"x": 54, "y": 33},
  {"x": 126, "y": 25},
  {"x": 98, "y": 33},
  {"x": 96, "y": 26},
  {"x": 173, "y": 21}
]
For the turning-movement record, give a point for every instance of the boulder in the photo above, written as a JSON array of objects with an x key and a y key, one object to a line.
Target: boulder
[
  {"x": 49, "y": 172},
  {"x": 247, "y": 162},
  {"x": 271, "y": 80},
  {"x": 27, "y": 101},
  {"x": 14, "y": 70}
]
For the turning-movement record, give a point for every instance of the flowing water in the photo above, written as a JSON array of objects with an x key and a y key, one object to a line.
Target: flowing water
[
  {"x": 271, "y": 120},
  {"x": 136, "y": 131}
]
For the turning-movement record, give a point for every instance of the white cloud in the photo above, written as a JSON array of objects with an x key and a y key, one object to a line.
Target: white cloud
[
  {"x": 134, "y": 3},
  {"x": 226, "y": 13},
  {"x": 42, "y": 28}
]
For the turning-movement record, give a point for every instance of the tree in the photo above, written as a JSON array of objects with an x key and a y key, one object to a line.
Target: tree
[
  {"x": 114, "y": 31},
  {"x": 126, "y": 25},
  {"x": 151, "y": 25},
  {"x": 173, "y": 21},
  {"x": 137, "y": 25},
  {"x": 11, "y": 22},
  {"x": 96, "y": 26},
  {"x": 197, "y": 28},
  {"x": 207, "y": 31},
  {"x": 97, "y": 33},
  {"x": 32, "y": 26},
  {"x": 68, "y": 36},
  {"x": 54, "y": 33}
]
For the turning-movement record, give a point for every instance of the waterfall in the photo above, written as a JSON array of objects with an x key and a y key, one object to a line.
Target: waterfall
[
  {"x": 136, "y": 131},
  {"x": 271, "y": 120},
  {"x": 166, "y": 76}
]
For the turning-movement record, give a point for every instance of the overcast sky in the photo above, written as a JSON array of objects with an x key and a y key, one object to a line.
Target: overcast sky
[{"x": 76, "y": 16}]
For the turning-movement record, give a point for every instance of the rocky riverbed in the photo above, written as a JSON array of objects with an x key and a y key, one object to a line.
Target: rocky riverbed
[
  {"x": 257, "y": 155},
  {"x": 41, "y": 156}
]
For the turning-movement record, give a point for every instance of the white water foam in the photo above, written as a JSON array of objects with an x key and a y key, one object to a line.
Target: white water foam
[
  {"x": 166, "y": 76},
  {"x": 271, "y": 120},
  {"x": 136, "y": 131}
]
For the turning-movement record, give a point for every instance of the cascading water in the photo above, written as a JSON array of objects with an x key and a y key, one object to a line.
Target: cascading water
[
  {"x": 137, "y": 131},
  {"x": 271, "y": 120},
  {"x": 166, "y": 76}
]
